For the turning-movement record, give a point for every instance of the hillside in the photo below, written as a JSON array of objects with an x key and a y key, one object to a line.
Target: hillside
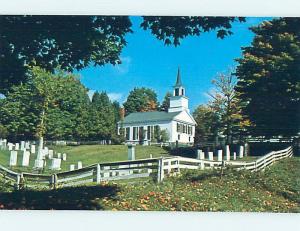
[{"x": 277, "y": 189}]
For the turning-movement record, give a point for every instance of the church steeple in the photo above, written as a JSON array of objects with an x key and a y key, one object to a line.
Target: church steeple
[
  {"x": 178, "y": 102},
  {"x": 178, "y": 88},
  {"x": 178, "y": 79}
]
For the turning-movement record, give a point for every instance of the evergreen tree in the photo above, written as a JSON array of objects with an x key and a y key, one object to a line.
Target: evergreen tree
[
  {"x": 269, "y": 78},
  {"x": 166, "y": 102}
]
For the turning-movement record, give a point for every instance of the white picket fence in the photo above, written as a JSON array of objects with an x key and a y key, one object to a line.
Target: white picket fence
[
  {"x": 122, "y": 170},
  {"x": 171, "y": 166}
]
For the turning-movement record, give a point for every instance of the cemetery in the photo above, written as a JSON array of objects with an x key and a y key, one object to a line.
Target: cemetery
[{"x": 130, "y": 139}]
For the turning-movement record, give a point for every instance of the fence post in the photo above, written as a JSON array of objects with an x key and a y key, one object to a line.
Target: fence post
[
  {"x": 18, "y": 181},
  {"x": 55, "y": 181},
  {"x": 98, "y": 174},
  {"x": 160, "y": 170}
]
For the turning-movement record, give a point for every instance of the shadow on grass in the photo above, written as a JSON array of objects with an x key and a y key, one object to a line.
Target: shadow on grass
[
  {"x": 71, "y": 198},
  {"x": 189, "y": 152}
]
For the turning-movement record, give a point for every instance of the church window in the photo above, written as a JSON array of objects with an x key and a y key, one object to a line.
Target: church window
[
  {"x": 148, "y": 132},
  {"x": 178, "y": 137},
  {"x": 135, "y": 133},
  {"x": 178, "y": 127},
  {"x": 182, "y": 91},
  {"x": 176, "y": 91},
  {"x": 128, "y": 133}
]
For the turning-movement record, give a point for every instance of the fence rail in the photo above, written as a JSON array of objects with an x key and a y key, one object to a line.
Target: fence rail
[{"x": 156, "y": 167}]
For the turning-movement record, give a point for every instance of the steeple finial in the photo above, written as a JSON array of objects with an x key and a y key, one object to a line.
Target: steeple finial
[{"x": 178, "y": 79}]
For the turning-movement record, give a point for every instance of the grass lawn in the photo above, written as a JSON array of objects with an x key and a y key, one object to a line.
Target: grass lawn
[
  {"x": 88, "y": 154},
  {"x": 277, "y": 189}
]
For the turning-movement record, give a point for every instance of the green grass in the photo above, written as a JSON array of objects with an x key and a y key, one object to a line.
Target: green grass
[
  {"x": 88, "y": 154},
  {"x": 277, "y": 189}
]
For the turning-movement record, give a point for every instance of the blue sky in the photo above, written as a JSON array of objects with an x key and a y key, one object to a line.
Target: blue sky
[{"x": 147, "y": 62}]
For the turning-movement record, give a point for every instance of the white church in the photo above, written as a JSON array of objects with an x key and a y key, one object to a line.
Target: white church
[{"x": 139, "y": 127}]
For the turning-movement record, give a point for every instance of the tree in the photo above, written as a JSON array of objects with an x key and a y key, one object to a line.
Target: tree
[
  {"x": 268, "y": 78},
  {"x": 68, "y": 42},
  {"x": 3, "y": 131},
  {"x": 141, "y": 100},
  {"x": 165, "y": 105},
  {"x": 44, "y": 106},
  {"x": 102, "y": 117},
  {"x": 208, "y": 124},
  {"x": 75, "y": 42},
  {"x": 226, "y": 104}
]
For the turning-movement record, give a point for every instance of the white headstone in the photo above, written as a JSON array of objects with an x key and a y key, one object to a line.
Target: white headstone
[
  {"x": 202, "y": 155},
  {"x": 72, "y": 167},
  {"x": 241, "y": 152},
  {"x": 211, "y": 157},
  {"x": 55, "y": 164},
  {"x": 13, "y": 158},
  {"x": 32, "y": 148},
  {"x": 39, "y": 163},
  {"x": 27, "y": 145},
  {"x": 10, "y": 146},
  {"x": 199, "y": 154},
  {"x": 79, "y": 165},
  {"x": 227, "y": 153},
  {"x": 131, "y": 152},
  {"x": 64, "y": 156},
  {"x": 22, "y": 145},
  {"x": 59, "y": 155},
  {"x": 26, "y": 157},
  {"x": 220, "y": 155},
  {"x": 17, "y": 146},
  {"x": 234, "y": 155},
  {"x": 50, "y": 155}
]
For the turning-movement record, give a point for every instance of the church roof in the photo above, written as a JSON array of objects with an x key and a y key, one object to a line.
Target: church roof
[
  {"x": 138, "y": 117},
  {"x": 178, "y": 79}
]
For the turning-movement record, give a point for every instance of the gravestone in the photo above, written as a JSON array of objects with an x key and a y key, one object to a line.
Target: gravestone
[
  {"x": 131, "y": 151},
  {"x": 241, "y": 152},
  {"x": 27, "y": 145},
  {"x": 50, "y": 155},
  {"x": 26, "y": 157},
  {"x": 39, "y": 163},
  {"x": 55, "y": 164},
  {"x": 79, "y": 165},
  {"x": 22, "y": 145},
  {"x": 64, "y": 156},
  {"x": 211, "y": 157},
  {"x": 234, "y": 155},
  {"x": 17, "y": 146},
  {"x": 220, "y": 155},
  {"x": 13, "y": 158},
  {"x": 72, "y": 167},
  {"x": 227, "y": 153},
  {"x": 10, "y": 146},
  {"x": 32, "y": 149},
  {"x": 59, "y": 155}
]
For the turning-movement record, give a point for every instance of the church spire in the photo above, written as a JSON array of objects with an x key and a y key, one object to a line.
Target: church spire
[{"x": 178, "y": 79}]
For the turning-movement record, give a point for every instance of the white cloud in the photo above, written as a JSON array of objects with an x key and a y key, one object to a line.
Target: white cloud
[
  {"x": 123, "y": 68},
  {"x": 115, "y": 96}
]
